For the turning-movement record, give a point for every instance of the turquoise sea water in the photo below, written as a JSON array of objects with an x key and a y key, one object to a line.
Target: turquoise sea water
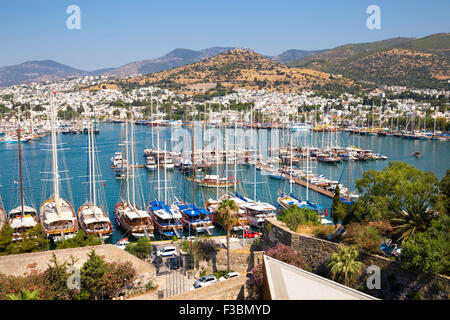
[{"x": 435, "y": 157}]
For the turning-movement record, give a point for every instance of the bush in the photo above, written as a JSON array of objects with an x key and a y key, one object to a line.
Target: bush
[
  {"x": 437, "y": 287},
  {"x": 141, "y": 248},
  {"x": 203, "y": 272},
  {"x": 280, "y": 252},
  {"x": 323, "y": 231},
  {"x": 81, "y": 239},
  {"x": 288, "y": 255},
  {"x": 364, "y": 237},
  {"x": 295, "y": 216},
  {"x": 426, "y": 254}
]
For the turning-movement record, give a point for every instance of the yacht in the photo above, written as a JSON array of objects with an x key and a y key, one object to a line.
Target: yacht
[{"x": 57, "y": 215}]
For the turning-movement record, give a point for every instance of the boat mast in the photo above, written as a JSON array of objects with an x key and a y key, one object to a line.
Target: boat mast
[
  {"x": 217, "y": 169},
  {"x": 157, "y": 162},
  {"x": 54, "y": 156},
  {"x": 307, "y": 173},
  {"x": 89, "y": 163},
  {"x": 290, "y": 180},
  {"x": 235, "y": 157},
  {"x": 151, "y": 115},
  {"x": 165, "y": 174},
  {"x": 20, "y": 170},
  {"x": 128, "y": 162},
  {"x": 132, "y": 159},
  {"x": 226, "y": 160},
  {"x": 192, "y": 158},
  {"x": 94, "y": 191}
]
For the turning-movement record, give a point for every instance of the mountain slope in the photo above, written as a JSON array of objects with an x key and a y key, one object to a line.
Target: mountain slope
[
  {"x": 36, "y": 71},
  {"x": 242, "y": 68},
  {"x": 175, "y": 58},
  {"x": 294, "y": 54},
  {"x": 410, "y": 62}
]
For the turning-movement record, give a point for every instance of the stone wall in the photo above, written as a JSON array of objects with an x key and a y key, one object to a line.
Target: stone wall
[
  {"x": 232, "y": 289},
  {"x": 22, "y": 264},
  {"x": 396, "y": 283}
]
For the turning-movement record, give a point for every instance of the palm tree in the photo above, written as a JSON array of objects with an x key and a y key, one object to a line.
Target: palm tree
[
  {"x": 343, "y": 265},
  {"x": 408, "y": 223},
  {"x": 226, "y": 215},
  {"x": 24, "y": 295}
]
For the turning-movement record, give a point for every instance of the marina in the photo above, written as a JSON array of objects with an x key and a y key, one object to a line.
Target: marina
[{"x": 268, "y": 188}]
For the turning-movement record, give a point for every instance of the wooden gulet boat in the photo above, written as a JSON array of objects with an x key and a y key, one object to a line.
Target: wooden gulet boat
[
  {"x": 166, "y": 219},
  {"x": 240, "y": 223},
  {"x": 93, "y": 218},
  {"x": 23, "y": 217},
  {"x": 132, "y": 219},
  {"x": 57, "y": 215}
]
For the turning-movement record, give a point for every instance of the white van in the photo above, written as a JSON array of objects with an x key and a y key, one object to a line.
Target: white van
[{"x": 167, "y": 251}]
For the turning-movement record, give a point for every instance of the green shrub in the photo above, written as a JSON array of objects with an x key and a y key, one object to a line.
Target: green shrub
[
  {"x": 295, "y": 216},
  {"x": 426, "y": 254},
  {"x": 437, "y": 287},
  {"x": 363, "y": 237},
  {"x": 203, "y": 272},
  {"x": 141, "y": 248}
]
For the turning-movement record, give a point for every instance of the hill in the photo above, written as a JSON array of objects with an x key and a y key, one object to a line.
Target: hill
[
  {"x": 410, "y": 62},
  {"x": 238, "y": 67},
  {"x": 175, "y": 58},
  {"x": 30, "y": 71},
  {"x": 294, "y": 54}
]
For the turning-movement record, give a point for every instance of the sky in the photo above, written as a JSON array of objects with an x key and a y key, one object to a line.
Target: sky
[{"x": 116, "y": 32}]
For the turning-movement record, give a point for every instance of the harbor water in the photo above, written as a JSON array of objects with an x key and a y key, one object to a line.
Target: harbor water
[{"x": 435, "y": 156}]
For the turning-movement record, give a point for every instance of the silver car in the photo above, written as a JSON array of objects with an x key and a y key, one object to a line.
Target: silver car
[{"x": 204, "y": 281}]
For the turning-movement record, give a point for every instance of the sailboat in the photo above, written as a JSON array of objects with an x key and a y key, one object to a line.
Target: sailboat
[
  {"x": 118, "y": 161},
  {"x": 57, "y": 215},
  {"x": 23, "y": 217},
  {"x": 240, "y": 223},
  {"x": 255, "y": 211},
  {"x": 166, "y": 218},
  {"x": 288, "y": 200},
  {"x": 196, "y": 219},
  {"x": 93, "y": 218},
  {"x": 130, "y": 217}
]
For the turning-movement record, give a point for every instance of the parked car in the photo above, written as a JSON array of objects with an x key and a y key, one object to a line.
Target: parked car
[
  {"x": 229, "y": 276},
  {"x": 205, "y": 281},
  {"x": 167, "y": 251},
  {"x": 251, "y": 234}
]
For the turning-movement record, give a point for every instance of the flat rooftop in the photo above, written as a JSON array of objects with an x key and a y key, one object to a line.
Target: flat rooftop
[{"x": 287, "y": 282}]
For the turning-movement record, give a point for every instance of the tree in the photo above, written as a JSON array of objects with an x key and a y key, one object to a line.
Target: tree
[
  {"x": 444, "y": 197},
  {"x": 226, "y": 215},
  {"x": 344, "y": 266},
  {"x": 295, "y": 216},
  {"x": 426, "y": 253},
  {"x": 56, "y": 281},
  {"x": 141, "y": 248},
  {"x": 25, "y": 294},
  {"x": 92, "y": 272},
  {"x": 338, "y": 209},
  {"x": 116, "y": 277},
  {"x": 399, "y": 193}
]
